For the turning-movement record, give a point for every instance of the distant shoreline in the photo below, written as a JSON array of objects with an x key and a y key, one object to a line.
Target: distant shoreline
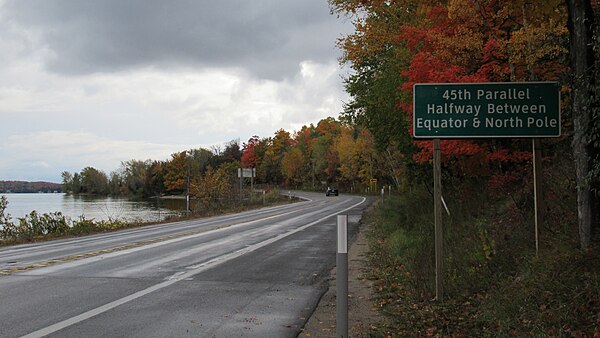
[{"x": 18, "y": 187}]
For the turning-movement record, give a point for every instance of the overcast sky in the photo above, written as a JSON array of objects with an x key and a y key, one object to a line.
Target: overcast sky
[{"x": 97, "y": 82}]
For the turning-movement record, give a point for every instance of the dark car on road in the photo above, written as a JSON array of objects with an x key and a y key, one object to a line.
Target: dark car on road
[{"x": 331, "y": 191}]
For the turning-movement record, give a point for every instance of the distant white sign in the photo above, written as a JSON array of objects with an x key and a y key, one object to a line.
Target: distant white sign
[{"x": 246, "y": 172}]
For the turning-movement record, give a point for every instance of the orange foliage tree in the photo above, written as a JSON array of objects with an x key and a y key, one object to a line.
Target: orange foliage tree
[
  {"x": 441, "y": 42},
  {"x": 177, "y": 172}
]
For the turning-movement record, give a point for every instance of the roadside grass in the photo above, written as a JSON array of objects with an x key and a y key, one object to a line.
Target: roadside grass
[
  {"x": 47, "y": 226},
  {"x": 494, "y": 284}
]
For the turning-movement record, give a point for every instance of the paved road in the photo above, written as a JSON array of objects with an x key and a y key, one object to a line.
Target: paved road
[{"x": 254, "y": 274}]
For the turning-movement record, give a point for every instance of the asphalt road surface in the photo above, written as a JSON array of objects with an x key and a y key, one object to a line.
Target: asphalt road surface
[{"x": 255, "y": 274}]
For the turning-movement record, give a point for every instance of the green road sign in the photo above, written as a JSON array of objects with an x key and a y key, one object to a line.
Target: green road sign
[{"x": 478, "y": 110}]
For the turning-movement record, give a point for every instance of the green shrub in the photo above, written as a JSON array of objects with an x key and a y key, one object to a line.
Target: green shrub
[
  {"x": 494, "y": 283},
  {"x": 7, "y": 228},
  {"x": 83, "y": 226}
]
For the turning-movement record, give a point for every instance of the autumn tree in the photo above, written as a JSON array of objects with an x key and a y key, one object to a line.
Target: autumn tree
[
  {"x": 93, "y": 181},
  {"x": 303, "y": 139},
  {"x": 399, "y": 43},
  {"x": 378, "y": 57},
  {"x": 67, "y": 181},
  {"x": 232, "y": 152},
  {"x": 303, "y": 142},
  {"x": 248, "y": 158},
  {"x": 155, "y": 179},
  {"x": 325, "y": 156},
  {"x": 292, "y": 167},
  {"x": 88, "y": 181},
  {"x": 133, "y": 177},
  {"x": 215, "y": 187},
  {"x": 115, "y": 184},
  {"x": 262, "y": 168},
  {"x": 585, "y": 104},
  {"x": 178, "y": 171},
  {"x": 348, "y": 156},
  {"x": 276, "y": 147}
]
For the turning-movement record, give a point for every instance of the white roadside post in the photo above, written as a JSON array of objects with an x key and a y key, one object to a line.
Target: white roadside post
[{"x": 341, "y": 330}]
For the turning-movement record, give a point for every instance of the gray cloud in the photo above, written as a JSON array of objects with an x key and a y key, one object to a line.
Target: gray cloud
[
  {"x": 96, "y": 82},
  {"x": 267, "y": 38}
]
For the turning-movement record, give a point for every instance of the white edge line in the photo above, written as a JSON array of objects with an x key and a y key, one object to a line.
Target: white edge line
[{"x": 207, "y": 265}]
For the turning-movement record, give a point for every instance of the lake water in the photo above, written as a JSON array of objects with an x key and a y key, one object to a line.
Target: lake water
[{"x": 98, "y": 208}]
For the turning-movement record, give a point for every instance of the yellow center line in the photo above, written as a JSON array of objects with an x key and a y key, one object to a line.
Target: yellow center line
[
  {"x": 55, "y": 261},
  {"x": 71, "y": 258}
]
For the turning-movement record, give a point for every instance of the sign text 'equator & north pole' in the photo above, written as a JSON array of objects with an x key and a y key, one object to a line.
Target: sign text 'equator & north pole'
[{"x": 465, "y": 110}]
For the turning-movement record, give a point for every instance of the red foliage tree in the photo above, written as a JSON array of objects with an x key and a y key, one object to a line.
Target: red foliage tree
[{"x": 248, "y": 155}]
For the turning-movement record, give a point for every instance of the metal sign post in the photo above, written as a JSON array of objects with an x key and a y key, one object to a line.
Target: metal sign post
[
  {"x": 538, "y": 218},
  {"x": 246, "y": 172},
  {"x": 437, "y": 207}
]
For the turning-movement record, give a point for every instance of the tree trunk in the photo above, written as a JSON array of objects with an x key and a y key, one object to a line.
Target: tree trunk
[{"x": 580, "y": 23}]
